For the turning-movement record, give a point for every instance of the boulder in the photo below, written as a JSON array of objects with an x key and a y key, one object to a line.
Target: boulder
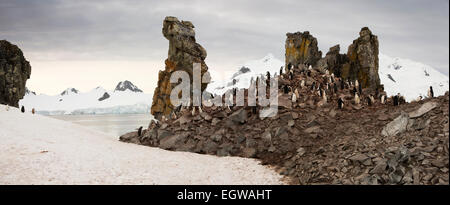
[
  {"x": 398, "y": 125},
  {"x": 423, "y": 109},
  {"x": 15, "y": 70}
]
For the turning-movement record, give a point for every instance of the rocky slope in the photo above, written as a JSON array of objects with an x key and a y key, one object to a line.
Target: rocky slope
[
  {"x": 15, "y": 70},
  {"x": 183, "y": 52},
  {"x": 314, "y": 142}
]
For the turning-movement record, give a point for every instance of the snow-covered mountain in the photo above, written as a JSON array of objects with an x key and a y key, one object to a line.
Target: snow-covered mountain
[
  {"x": 411, "y": 79},
  {"x": 242, "y": 77},
  {"x": 126, "y": 98}
]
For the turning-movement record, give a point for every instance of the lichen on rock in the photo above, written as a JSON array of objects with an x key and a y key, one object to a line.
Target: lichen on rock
[
  {"x": 15, "y": 70},
  {"x": 301, "y": 48},
  {"x": 183, "y": 52}
]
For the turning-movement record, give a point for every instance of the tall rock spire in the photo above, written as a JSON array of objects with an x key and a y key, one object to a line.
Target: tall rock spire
[{"x": 183, "y": 52}]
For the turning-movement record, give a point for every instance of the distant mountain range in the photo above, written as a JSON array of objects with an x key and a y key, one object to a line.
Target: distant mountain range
[
  {"x": 409, "y": 78},
  {"x": 126, "y": 98}
]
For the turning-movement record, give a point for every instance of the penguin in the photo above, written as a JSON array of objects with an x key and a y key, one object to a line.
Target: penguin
[
  {"x": 383, "y": 99},
  {"x": 430, "y": 92},
  {"x": 356, "y": 83},
  {"x": 200, "y": 109},
  {"x": 281, "y": 70},
  {"x": 296, "y": 92},
  {"x": 372, "y": 98},
  {"x": 357, "y": 99},
  {"x": 360, "y": 89},
  {"x": 310, "y": 67},
  {"x": 401, "y": 100},
  {"x": 324, "y": 96},
  {"x": 332, "y": 77},
  {"x": 340, "y": 103},
  {"x": 302, "y": 83},
  {"x": 291, "y": 76},
  {"x": 193, "y": 111},
  {"x": 313, "y": 86},
  {"x": 254, "y": 110},
  {"x": 139, "y": 131},
  {"x": 319, "y": 92},
  {"x": 369, "y": 101},
  {"x": 22, "y": 109},
  {"x": 294, "y": 98},
  {"x": 354, "y": 91},
  {"x": 163, "y": 118},
  {"x": 268, "y": 75},
  {"x": 395, "y": 99},
  {"x": 286, "y": 89},
  {"x": 173, "y": 116},
  {"x": 308, "y": 73},
  {"x": 419, "y": 98}
]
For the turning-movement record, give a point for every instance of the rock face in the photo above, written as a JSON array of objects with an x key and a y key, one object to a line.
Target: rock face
[
  {"x": 14, "y": 72},
  {"x": 333, "y": 61},
  {"x": 183, "y": 52},
  {"x": 363, "y": 60},
  {"x": 302, "y": 48}
]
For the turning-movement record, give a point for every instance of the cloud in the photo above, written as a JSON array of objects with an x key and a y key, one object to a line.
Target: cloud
[{"x": 231, "y": 31}]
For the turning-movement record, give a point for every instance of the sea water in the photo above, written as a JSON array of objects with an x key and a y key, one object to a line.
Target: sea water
[{"x": 112, "y": 124}]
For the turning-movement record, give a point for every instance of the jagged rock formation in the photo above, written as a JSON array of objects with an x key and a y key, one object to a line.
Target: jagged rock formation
[
  {"x": 363, "y": 60},
  {"x": 127, "y": 85},
  {"x": 14, "y": 72},
  {"x": 183, "y": 52},
  {"x": 68, "y": 91},
  {"x": 333, "y": 61},
  {"x": 301, "y": 48},
  {"x": 104, "y": 97}
]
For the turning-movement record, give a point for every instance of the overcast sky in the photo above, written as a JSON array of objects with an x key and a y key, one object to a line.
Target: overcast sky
[{"x": 85, "y": 44}]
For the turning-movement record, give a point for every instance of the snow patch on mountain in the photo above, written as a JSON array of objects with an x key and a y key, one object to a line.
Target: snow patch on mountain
[
  {"x": 409, "y": 78},
  {"x": 250, "y": 69},
  {"x": 125, "y": 99}
]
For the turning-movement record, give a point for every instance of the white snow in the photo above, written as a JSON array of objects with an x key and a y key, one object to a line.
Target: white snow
[
  {"x": 123, "y": 102},
  {"x": 412, "y": 78},
  {"x": 37, "y": 149},
  {"x": 257, "y": 68}
]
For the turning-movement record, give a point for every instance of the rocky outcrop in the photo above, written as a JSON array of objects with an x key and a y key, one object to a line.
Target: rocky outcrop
[
  {"x": 333, "y": 61},
  {"x": 14, "y": 72},
  {"x": 301, "y": 48},
  {"x": 183, "y": 52},
  {"x": 316, "y": 142},
  {"x": 363, "y": 60}
]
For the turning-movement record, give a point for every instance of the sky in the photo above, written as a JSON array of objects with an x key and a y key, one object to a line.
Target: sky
[{"x": 89, "y": 43}]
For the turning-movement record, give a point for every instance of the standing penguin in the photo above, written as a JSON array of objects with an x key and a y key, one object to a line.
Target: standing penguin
[
  {"x": 193, "y": 111},
  {"x": 369, "y": 101},
  {"x": 22, "y": 109},
  {"x": 139, "y": 131},
  {"x": 281, "y": 70},
  {"x": 383, "y": 99},
  {"x": 360, "y": 89},
  {"x": 430, "y": 92},
  {"x": 296, "y": 92},
  {"x": 33, "y": 111},
  {"x": 340, "y": 103},
  {"x": 395, "y": 99},
  {"x": 294, "y": 98},
  {"x": 302, "y": 83},
  {"x": 268, "y": 75},
  {"x": 357, "y": 99},
  {"x": 356, "y": 83},
  {"x": 286, "y": 89}
]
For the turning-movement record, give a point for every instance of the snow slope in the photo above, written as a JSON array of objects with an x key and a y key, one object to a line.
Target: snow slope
[
  {"x": 412, "y": 79},
  {"x": 40, "y": 150},
  {"x": 246, "y": 72},
  {"x": 121, "y": 100}
]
